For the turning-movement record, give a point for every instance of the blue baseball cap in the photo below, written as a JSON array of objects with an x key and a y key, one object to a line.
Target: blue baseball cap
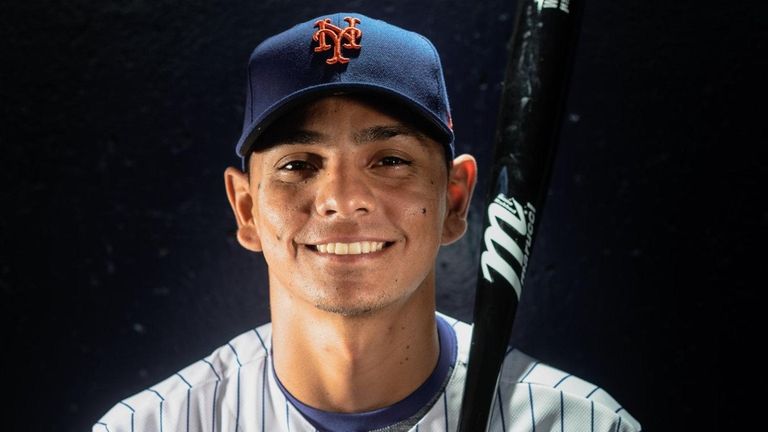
[{"x": 344, "y": 53}]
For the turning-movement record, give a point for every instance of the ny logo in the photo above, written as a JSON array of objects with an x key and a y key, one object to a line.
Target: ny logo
[{"x": 339, "y": 37}]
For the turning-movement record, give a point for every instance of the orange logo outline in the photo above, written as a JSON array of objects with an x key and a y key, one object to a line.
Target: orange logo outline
[{"x": 346, "y": 37}]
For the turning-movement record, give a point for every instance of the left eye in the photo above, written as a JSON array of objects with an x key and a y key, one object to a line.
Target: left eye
[{"x": 393, "y": 161}]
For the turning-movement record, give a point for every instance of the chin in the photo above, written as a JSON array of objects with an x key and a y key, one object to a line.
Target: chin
[
  {"x": 347, "y": 311},
  {"x": 347, "y": 308}
]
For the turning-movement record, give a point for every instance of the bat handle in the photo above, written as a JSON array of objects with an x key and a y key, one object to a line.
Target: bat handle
[{"x": 526, "y": 136}]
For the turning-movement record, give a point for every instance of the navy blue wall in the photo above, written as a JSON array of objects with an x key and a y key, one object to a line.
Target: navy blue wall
[{"x": 118, "y": 262}]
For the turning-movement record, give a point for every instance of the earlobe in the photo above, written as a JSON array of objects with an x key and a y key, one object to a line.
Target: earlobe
[
  {"x": 249, "y": 238},
  {"x": 461, "y": 184},
  {"x": 239, "y": 195}
]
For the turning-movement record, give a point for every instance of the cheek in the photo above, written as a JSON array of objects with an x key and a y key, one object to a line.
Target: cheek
[
  {"x": 281, "y": 209},
  {"x": 422, "y": 210}
]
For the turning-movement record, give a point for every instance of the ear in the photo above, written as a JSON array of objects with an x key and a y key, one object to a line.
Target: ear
[
  {"x": 461, "y": 184},
  {"x": 241, "y": 201}
]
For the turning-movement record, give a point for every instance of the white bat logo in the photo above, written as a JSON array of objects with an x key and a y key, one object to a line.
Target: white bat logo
[
  {"x": 509, "y": 211},
  {"x": 554, "y": 4}
]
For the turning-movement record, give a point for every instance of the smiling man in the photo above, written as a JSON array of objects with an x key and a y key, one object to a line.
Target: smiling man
[
  {"x": 349, "y": 186},
  {"x": 350, "y": 205}
]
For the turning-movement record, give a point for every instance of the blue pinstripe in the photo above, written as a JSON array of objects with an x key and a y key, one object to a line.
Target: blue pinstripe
[
  {"x": 592, "y": 404},
  {"x": 501, "y": 409},
  {"x": 530, "y": 400},
  {"x": 237, "y": 357},
  {"x": 264, "y": 384},
  {"x": 261, "y": 340},
  {"x": 562, "y": 413},
  {"x": 239, "y": 365},
  {"x": 215, "y": 390},
  {"x": 218, "y": 378},
  {"x": 178, "y": 374},
  {"x": 592, "y": 392},
  {"x": 445, "y": 408},
  {"x": 529, "y": 371},
  {"x": 561, "y": 380},
  {"x": 162, "y": 399},
  {"x": 618, "y": 425},
  {"x": 133, "y": 411},
  {"x": 189, "y": 396},
  {"x": 103, "y": 424},
  {"x": 287, "y": 418},
  {"x": 189, "y": 393},
  {"x": 213, "y": 420},
  {"x": 237, "y": 415},
  {"x": 264, "y": 394}
]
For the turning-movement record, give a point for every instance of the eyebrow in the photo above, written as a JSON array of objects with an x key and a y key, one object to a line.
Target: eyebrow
[
  {"x": 370, "y": 134},
  {"x": 379, "y": 133}
]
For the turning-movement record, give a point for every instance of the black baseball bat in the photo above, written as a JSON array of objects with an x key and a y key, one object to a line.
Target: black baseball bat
[{"x": 532, "y": 103}]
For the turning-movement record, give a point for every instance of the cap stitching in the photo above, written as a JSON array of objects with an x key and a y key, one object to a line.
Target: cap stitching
[
  {"x": 250, "y": 93},
  {"x": 436, "y": 71}
]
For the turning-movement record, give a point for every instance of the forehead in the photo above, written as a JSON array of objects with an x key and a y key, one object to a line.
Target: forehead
[
  {"x": 340, "y": 107},
  {"x": 361, "y": 110}
]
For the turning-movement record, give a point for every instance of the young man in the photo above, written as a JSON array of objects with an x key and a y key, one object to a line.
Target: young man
[{"x": 349, "y": 187}]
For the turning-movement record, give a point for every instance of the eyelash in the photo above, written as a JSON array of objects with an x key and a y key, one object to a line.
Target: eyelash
[
  {"x": 302, "y": 165},
  {"x": 397, "y": 160}
]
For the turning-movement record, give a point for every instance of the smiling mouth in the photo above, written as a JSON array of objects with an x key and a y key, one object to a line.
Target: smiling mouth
[{"x": 354, "y": 248}]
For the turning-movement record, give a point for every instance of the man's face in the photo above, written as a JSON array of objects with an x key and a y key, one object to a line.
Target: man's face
[{"x": 348, "y": 206}]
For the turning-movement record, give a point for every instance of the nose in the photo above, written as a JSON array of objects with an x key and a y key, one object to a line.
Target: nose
[{"x": 344, "y": 192}]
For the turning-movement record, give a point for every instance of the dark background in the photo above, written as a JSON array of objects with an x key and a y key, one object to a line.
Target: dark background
[{"x": 118, "y": 262}]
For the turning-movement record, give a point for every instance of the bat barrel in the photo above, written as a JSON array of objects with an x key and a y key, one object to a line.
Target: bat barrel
[{"x": 526, "y": 136}]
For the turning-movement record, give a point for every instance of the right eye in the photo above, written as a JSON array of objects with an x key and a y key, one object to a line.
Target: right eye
[{"x": 297, "y": 165}]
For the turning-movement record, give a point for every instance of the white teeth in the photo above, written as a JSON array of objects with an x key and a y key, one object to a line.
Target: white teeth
[
  {"x": 341, "y": 248},
  {"x": 355, "y": 248}
]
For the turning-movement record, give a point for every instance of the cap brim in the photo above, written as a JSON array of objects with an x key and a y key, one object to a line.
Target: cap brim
[{"x": 245, "y": 145}]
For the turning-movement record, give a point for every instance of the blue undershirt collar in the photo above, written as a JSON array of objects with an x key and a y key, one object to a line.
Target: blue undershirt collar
[{"x": 393, "y": 414}]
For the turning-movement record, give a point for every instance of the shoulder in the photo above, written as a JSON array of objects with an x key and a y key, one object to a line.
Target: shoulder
[
  {"x": 463, "y": 334},
  {"x": 543, "y": 396},
  {"x": 552, "y": 399},
  {"x": 204, "y": 387}
]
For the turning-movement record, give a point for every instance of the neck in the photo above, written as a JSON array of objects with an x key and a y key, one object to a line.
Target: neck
[{"x": 353, "y": 364}]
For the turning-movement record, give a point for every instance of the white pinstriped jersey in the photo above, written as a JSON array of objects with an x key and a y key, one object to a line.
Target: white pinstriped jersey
[{"x": 234, "y": 389}]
